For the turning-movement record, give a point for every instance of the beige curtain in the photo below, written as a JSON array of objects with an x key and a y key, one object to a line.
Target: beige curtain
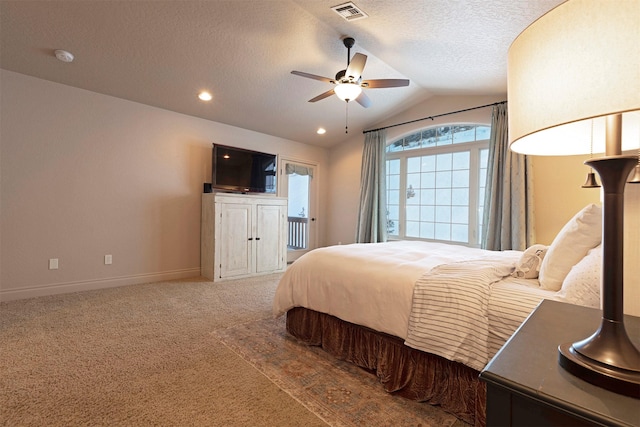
[
  {"x": 372, "y": 213},
  {"x": 291, "y": 169},
  {"x": 508, "y": 221}
]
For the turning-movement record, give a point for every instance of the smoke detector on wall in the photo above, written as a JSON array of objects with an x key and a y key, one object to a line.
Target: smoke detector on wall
[{"x": 349, "y": 11}]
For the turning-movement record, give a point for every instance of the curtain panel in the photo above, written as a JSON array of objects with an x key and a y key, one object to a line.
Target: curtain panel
[
  {"x": 372, "y": 212},
  {"x": 508, "y": 221}
]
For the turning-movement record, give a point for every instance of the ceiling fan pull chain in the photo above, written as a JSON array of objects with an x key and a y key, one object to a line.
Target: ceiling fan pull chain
[{"x": 346, "y": 120}]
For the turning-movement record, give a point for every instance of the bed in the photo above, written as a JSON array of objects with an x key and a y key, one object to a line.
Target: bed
[{"x": 426, "y": 317}]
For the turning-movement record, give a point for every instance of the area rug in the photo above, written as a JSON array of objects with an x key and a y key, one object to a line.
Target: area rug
[{"x": 336, "y": 391}]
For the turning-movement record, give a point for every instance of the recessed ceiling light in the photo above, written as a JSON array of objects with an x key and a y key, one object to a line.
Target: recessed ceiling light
[
  {"x": 321, "y": 131},
  {"x": 63, "y": 55},
  {"x": 205, "y": 96}
]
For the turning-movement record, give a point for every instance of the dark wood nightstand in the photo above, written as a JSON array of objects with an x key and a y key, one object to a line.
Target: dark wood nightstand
[{"x": 527, "y": 387}]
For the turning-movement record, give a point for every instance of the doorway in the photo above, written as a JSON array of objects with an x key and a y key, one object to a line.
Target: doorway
[{"x": 298, "y": 185}]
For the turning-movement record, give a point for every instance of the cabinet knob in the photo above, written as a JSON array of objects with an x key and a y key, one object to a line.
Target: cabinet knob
[
  {"x": 257, "y": 238},
  {"x": 250, "y": 238}
]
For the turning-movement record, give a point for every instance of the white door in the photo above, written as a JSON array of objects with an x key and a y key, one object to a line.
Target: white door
[{"x": 298, "y": 183}]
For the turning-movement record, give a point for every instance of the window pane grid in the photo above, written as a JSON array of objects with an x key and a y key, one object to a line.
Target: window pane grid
[
  {"x": 440, "y": 136},
  {"x": 443, "y": 184}
]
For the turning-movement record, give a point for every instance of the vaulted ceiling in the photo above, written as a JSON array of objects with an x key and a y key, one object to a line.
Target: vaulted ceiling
[{"x": 163, "y": 53}]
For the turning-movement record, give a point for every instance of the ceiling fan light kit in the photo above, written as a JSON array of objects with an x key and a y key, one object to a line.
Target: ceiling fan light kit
[{"x": 347, "y": 91}]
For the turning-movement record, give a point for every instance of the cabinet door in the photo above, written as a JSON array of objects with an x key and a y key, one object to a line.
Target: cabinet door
[
  {"x": 234, "y": 245},
  {"x": 269, "y": 244}
]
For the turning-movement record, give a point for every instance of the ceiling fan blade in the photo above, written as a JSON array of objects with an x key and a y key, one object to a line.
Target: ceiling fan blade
[
  {"x": 381, "y": 83},
  {"x": 356, "y": 66},
  {"x": 363, "y": 100},
  {"x": 313, "y": 76},
  {"x": 322, "y": 96}
]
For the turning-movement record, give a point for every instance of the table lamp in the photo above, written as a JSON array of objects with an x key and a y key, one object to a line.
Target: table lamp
[{"x": 576, "y": 67}]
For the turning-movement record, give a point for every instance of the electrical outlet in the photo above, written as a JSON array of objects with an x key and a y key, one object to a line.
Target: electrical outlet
[
  {"x": 53, "y": 264},
  {"x": 108, "y": 260}
]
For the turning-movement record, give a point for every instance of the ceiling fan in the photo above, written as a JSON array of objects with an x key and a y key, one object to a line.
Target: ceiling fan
[{"x": 348, "y": 83}]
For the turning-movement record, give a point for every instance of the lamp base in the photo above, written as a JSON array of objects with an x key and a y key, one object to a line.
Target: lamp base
[
  {"x": 608, "y": 358},
  {"x": 612, "y": 378}
]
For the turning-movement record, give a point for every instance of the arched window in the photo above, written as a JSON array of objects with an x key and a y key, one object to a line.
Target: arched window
[{"x": 435, "y": 183}]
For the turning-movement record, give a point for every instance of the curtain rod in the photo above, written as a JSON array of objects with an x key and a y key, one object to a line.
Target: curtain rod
[{"x": 433, "y": 117}]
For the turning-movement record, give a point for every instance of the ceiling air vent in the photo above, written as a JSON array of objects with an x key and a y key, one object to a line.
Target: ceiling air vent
[{"x": 349, "y": 11}]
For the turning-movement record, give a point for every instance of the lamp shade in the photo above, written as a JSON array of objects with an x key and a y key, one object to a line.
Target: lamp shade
[
  {"x": 347, "y": 91},
  {"x": 578, "y": 62}
]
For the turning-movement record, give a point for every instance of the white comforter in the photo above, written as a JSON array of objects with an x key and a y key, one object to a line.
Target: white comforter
[{"x": 367, "y": 284}]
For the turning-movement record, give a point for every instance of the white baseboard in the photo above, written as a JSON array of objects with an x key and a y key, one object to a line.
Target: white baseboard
[{"x": 87, "y": 285}]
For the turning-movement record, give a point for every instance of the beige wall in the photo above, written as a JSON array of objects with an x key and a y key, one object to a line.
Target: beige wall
[
  {"x": 558, "y": 193},
  {"x": 84, "y": 175}
]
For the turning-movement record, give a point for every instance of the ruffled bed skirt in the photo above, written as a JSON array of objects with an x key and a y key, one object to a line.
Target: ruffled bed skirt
[{"x": 402, "y": 370}]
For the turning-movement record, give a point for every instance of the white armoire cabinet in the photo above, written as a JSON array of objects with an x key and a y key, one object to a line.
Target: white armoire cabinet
[{"x": 242, "y": 235}]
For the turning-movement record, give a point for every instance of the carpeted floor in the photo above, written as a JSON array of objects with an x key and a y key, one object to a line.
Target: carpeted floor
[{"x": 181, "y": 353}]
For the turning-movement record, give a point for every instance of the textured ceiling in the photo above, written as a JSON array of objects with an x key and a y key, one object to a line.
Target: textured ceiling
[{"x": 162, "y": 53}]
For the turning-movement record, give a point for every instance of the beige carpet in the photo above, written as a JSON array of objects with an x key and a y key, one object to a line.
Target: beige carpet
[{"x": 154, "y": 355}]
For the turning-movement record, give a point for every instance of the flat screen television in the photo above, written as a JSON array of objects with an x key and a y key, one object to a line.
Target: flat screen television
[{"x": 243, "y": 171}]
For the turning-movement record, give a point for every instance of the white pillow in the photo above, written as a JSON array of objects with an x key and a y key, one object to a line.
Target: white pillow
[
  {"x": 528, "y": 266},
  {"x": 581, "y": 233},
  {"x": 583, "y": 283}
]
